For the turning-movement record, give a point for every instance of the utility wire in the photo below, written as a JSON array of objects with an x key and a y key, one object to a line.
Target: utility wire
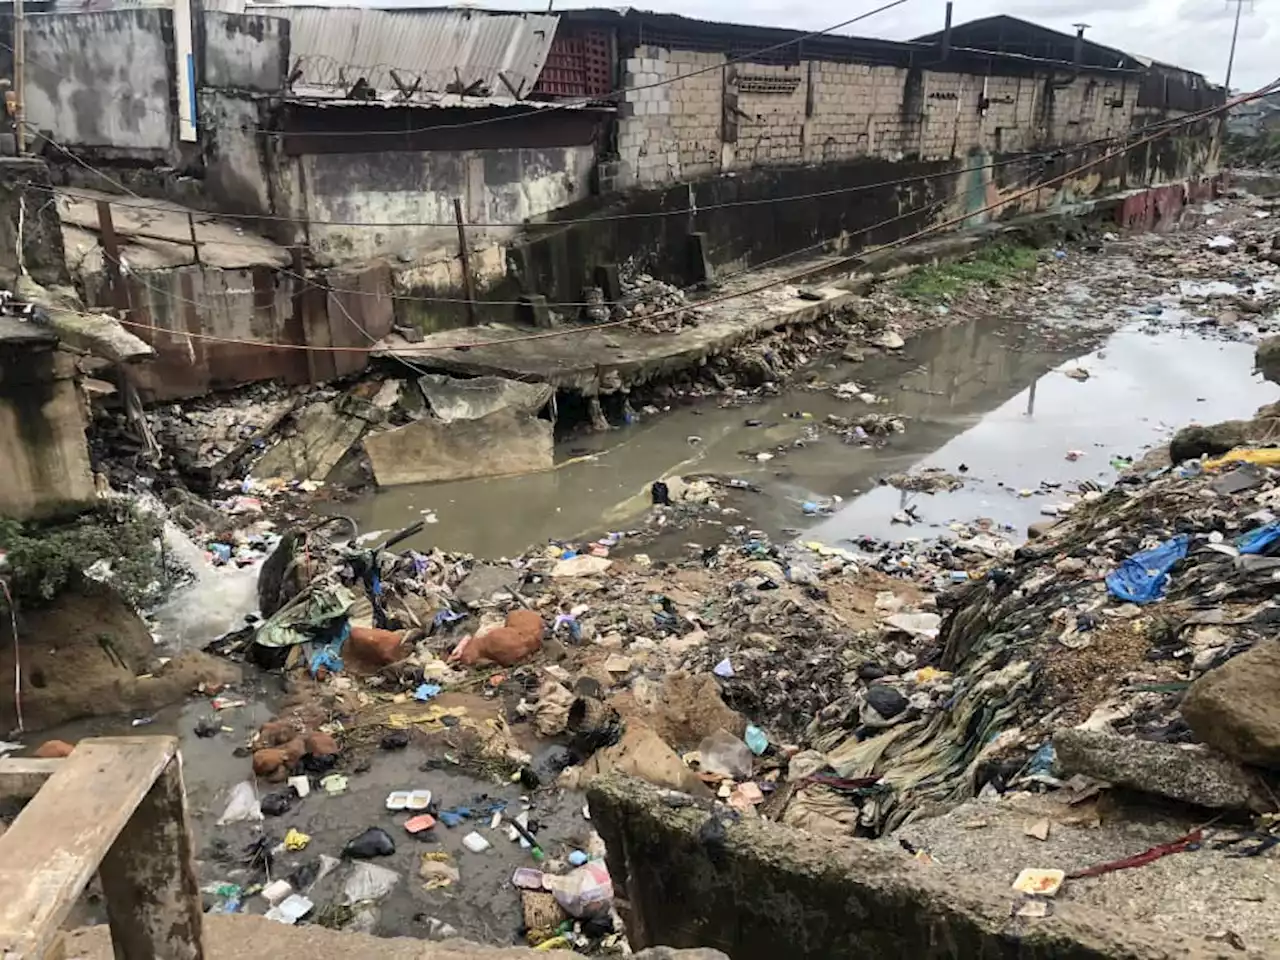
[{"x": 418, "y": 349}]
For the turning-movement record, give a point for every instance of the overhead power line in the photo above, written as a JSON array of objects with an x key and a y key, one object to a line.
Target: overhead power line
[{"x": 419, "y": 349}]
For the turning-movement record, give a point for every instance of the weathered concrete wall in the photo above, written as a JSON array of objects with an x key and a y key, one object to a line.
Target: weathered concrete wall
[
  {"x": 237, "y": 173},
  {"x": 104, "y": 80},
  {"x": 245, "y": 52},
  {"x": 24, "y": 197},
  {"x": 42, "y": 444},
  {"x": 495, "y": 186},
  {"x": 767, "y": 891},
  {"x": 754, "y": 114}
]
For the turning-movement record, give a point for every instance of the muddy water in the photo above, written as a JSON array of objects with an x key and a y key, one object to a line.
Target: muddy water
[{"x": 986, "y": 394}]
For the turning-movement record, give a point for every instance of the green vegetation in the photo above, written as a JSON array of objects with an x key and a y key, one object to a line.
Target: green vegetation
[
  {"x": 990, "y": 266},
  {"x": 1252, "y": 152},
  {"x": 45, "y": 559}
]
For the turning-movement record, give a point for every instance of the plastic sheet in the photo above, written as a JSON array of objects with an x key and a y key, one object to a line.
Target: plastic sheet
[
  {"x": 242, "y": 806},
  {"x": 1143, "y": 577},
  {"x": 369, "y": 883}
]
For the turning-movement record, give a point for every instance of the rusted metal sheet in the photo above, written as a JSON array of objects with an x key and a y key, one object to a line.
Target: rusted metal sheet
[
  {"x": 432, "y": 49},
  {"x": 249, "y": 311}
]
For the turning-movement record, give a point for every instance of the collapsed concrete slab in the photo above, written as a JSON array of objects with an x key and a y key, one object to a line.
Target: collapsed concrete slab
[
  {"x": 454, "y": 399},
  {"x": 760, "y": 891},
  {"x": 324, "y": 433},
  {"x": 428, "y": 451},
  {"x": 1186, "y": 772}
]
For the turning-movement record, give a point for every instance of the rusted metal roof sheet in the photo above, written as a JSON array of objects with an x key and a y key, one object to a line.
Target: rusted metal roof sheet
[{"x": 436, "y": 51}]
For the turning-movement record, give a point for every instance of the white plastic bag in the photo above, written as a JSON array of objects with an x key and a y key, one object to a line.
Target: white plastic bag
[
  {"x": 369, "y": 883},
  {"x": 585, "y": 892},
  {"x": 242, "y": 806}
]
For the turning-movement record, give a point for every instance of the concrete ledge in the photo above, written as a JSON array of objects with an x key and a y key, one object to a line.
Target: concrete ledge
[{"x": 768, "y": 891}]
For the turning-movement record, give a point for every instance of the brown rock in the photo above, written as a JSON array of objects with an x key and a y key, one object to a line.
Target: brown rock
[
  {"x": 294, "y": 751},
  {"x": 527, "y": 623},
  {"x": 1235, "y": 709},
  {"x": 275, "y": 733},
  {"x": 370, "y": 648},
  {"x": 322, "y": 745},
  {"x": 54, "y": 749},
  {"x": 269, "y": 761}
]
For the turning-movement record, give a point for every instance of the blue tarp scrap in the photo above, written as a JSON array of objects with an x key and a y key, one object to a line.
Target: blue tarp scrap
[
  {"x": 1260, "y": 540},
  {"x": 330, "y": 655},
  {"x": 1142, "y": 577}
]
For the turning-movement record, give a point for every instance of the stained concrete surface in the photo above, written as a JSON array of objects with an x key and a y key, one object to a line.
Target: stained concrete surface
[{"x": 966, "y": 389}]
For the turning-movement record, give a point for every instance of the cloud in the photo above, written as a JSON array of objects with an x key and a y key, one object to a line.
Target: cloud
[{"x": 1195, "y": 34}]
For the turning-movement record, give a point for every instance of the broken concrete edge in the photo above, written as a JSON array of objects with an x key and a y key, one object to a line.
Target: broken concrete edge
[
  {"x": 682, "y": 351},
  {"x": 760, "y": 890},
  {"x": 1189, "y": 773},
  {"x": 98, "y": 334},
  {"x": 694, "y": 349},
  {"x": 245, "y": 936},
  {"x": 499, "y": 444}
]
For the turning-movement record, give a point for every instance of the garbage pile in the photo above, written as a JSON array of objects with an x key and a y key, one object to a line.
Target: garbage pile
[
  {"x": 643, "y": 297},
  {"x": 1125, "y": 619}
]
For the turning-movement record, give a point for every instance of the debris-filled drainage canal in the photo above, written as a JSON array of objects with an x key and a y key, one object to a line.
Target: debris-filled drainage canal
[
  {"x": 988, "y": 395},
  {"x": 805, "y": 653}
]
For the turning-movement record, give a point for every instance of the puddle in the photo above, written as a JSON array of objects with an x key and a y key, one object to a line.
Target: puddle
[{"x": 1142, "y": 387}]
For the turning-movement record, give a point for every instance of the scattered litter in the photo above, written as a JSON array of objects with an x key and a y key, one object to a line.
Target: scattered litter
[
  {"x": 296, "y": 840},
  {"x": 1039, "y": 883},
  {"x": 476, "y": 843},
  {"x": 369, "y": 883},
  {"x": 374, "y": 842}
]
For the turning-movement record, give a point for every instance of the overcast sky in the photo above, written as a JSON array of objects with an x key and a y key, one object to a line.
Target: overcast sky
[{"x": 1195, "y": 34}]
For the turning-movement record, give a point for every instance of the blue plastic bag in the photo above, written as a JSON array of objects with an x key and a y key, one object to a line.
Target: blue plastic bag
[
  {"x": 1142, "y": 578},
  {"x": 1260, "y": 540}
]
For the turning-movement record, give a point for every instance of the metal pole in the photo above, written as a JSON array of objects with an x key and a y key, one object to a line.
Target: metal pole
[
  {"x": 1231, "y": 59},
  {"x": 946, "y": 33},
  {"x": 465, "y": 256},
  {"x": 19, "y": 77}
]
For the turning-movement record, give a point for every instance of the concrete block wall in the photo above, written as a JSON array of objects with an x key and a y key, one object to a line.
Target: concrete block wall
[{"x": 747, "y": 114}]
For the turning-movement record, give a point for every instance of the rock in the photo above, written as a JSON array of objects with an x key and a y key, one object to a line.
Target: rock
[
  {"x": 1267, "y": 359},
  {"x": 888, "y": 339},
  {"x": 582, "y": 565},
  {"x": 275, "y": 733},
  {"x": 853, "y": 354},
  {"x": 322, "y": 745},
  {"x": 269, "y": 762},
  {"x": 1235, "y": 708},
  {"x": 54, "y": 750},
  {"x": 871, "y": 671},
  {"x": 371, "y": 648},
  {"x": 885, "y": 700},
  {"x": 1192, "y": 774},
  {"x": 641, "y": 753},
  {"x": 293, "y": 751},
  {"x": 1191, "y": 443},
  {"x": 1041, "y": 528},
  {"x": 484, "y": 581}
]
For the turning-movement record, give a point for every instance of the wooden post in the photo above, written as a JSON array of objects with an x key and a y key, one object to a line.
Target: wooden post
[
  {"x": 111, "y": 255},
  {"x": 465, "y": 256},
  {"x": 149, "y": 878},
  {"x": 195, "y": 244},
  {"x": 114, "y": 806}
]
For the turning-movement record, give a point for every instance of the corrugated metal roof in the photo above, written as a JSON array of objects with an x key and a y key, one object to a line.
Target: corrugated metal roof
[{"x": 335, "y": 46}]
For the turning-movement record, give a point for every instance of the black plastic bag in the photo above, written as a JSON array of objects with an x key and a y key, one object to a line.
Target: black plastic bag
[{"x": 374, "y": 842}]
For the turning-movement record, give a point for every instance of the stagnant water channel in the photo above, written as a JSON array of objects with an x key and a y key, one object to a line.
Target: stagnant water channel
[{"x": 985, "y": 394}]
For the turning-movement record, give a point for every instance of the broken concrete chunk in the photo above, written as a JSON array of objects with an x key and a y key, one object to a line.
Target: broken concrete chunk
[
  {"x": 324, "y": 433},
  {"x": 1192, "y": 774},
  {"x": 484, "y": 581},
  {"x": 452, "y": 398},
  {"x": 1235, "y": 709},
  {"x": 498, "y": 444}
]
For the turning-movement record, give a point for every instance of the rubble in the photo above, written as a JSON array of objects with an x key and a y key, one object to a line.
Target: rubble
[{"x": 1232, "y": 707}]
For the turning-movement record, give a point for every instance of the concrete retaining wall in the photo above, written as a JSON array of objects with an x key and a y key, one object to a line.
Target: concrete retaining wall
[
  {"x": 769, "y": 892},
  {"x": 104, "y": 80}
]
